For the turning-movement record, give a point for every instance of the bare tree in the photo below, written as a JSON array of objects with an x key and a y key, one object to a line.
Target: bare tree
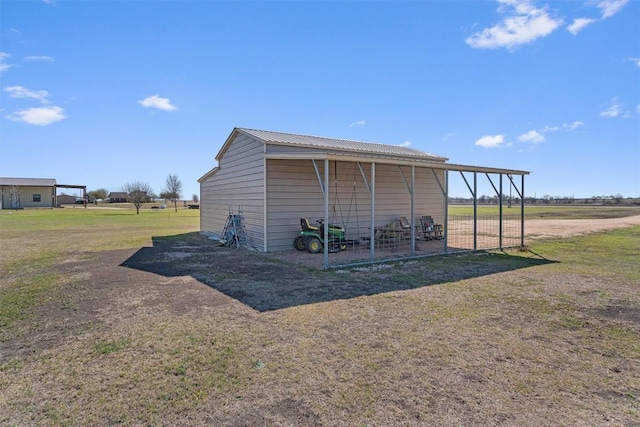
[
  {"x": 195, "y": 198},
  {"x": 172, "y": 190},
  {"x": 138, "y": 193}
]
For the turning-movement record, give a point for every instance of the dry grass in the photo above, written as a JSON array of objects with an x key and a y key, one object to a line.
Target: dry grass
[{"x": 463, "y": 340}]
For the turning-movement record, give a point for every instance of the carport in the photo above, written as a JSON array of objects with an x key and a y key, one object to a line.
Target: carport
[
  {"x": 275, "y": 179},
  {"x": 80, "y": 187},
  {"x": 469, "y": 174}
]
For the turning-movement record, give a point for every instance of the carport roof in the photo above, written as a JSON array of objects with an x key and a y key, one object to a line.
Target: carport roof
[
  {"x": 320, "y": 142},
  {"x": 349, "y": 150}
]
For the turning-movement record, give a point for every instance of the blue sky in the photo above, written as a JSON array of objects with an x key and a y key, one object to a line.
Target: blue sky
[{"x": 102, "y": 93}]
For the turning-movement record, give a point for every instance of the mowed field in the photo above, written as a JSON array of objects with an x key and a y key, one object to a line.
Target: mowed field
[{"x": 108, "y": 317}]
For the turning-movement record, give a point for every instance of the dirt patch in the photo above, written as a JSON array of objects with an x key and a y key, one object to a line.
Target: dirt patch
[
  {"x": 543, "y": 228},
  {"x": 103, "y": 291},
  {"x": 621, "y": 313},
  {"x": 274, "y": 281}
]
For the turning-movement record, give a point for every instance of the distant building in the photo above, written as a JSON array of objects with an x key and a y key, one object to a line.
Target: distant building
[
  {"x": 19, "y": 193},
  {"x": 118, "y": 197},
  {"x": 65, "y": 199}
]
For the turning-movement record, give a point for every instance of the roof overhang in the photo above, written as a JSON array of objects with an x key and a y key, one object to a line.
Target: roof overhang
[
  {"x": 71, "y": 186},
  {"x": 394, "y": 161},
  {"x": 208, "y": 175},
  {"x": 436, "y": 162},
  {"x": 227, "y": 143},
  {"x": 28, "y": 182},
  {"x": 347, "y": 151}
]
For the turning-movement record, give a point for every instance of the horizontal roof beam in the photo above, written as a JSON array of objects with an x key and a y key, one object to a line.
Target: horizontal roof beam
[
  {"x": 392, "y": 161},
  {"x": 70, "y": 186}
]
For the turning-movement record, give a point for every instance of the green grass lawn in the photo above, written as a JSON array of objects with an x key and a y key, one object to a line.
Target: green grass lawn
[{"x": 30, "y": 235}]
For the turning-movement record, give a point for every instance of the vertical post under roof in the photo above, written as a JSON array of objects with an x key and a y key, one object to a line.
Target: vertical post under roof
[
  {"x": 500, "y": 214},
  {"x": 446, "y": 211},
  {"x": 372, "y": 235},
  {"x": 522, "y": 212},
  {"x": 475, "y": 211},
  {"x": 326, "y": 214},
  {"x": 413, "y": 210}
]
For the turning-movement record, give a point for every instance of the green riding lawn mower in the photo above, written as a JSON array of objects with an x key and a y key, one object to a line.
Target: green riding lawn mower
[{"x": 311, "y": 238}]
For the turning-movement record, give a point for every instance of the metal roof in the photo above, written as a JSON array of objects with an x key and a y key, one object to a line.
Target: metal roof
[
  {"x": 344, "y": 149},
  {"x": 282, "y": 138},
  {"x": 28, "y": 182}
]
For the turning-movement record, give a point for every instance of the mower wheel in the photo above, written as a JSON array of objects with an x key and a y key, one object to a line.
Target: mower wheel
[
  {"x": 299, "y": 243},
  {"x": 314, "y": 245}
]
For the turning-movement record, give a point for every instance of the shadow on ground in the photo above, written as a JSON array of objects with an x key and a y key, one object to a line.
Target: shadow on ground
[{"x": 275, "y": 281}]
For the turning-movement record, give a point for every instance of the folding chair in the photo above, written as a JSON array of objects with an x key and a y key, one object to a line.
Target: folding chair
[{"x": 430, "y": 229}]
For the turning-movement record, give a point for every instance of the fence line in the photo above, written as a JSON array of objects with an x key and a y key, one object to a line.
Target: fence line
[{"x": 460, "y": 237}]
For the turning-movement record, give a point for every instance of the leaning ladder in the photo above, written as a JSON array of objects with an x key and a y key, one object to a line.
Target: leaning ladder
[{"x": 234, "y": 229}]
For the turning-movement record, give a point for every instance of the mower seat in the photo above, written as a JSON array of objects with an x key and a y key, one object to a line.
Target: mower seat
[{"x": 304, "y": 223}]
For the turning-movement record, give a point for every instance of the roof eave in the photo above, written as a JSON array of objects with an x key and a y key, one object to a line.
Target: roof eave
[
  {"x": 229, "y": 140},
  {"x": 431, "y": 158},
  {"x": 396, "y": 161},
  {"x": 208, "y": 175}
]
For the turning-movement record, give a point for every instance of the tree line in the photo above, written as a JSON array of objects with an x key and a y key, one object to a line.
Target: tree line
[{"x": 140, "y": 192}]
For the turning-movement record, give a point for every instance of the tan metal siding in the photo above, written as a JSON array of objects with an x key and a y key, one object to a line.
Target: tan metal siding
[
  {"x": 393, "y": 198},
  {"x": 294, "y": 192},
  {"x": 239, "y": 182},
  {"x": 26, "y": 197}
]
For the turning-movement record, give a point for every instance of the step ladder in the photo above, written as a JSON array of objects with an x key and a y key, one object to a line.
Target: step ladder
[{"x": 234, "y": 233}]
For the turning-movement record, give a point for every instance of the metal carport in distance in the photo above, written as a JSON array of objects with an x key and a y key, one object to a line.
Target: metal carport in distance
[{"x": 361, "y": 159}]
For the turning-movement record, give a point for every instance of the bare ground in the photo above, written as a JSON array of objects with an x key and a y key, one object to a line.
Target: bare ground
[
  {"x": 541, "y": 228},
  {"x": 136, "y": 338}
]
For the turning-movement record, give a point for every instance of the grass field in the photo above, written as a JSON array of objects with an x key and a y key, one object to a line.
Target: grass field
[
  {"x": 550, "y": 336},
  {"x": 551, "y": 212}
]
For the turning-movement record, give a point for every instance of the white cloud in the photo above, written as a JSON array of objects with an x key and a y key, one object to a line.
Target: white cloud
[
  {"x": 611, "y": 7},
  {"x": 579, "y": 24},
  {"x": 23, "y": 92},
  {"x": 358, "y": 123},
  {"x": 608, "y": 8},
  {"x": 525, "y": 24},
  {"x": 531, "y": 136},
  {"x": 565, "y": 126},
  {"x": 3, "y": 65},
  {"x": 39, "y": 58},
  {"x": 635, "y": 61},
  {"x": 40, "y": 116},
  {"x": 405, "y": 144},
  {"x": 489, "y": 141},
  {"x": 572, "y": 126},
  {"x": 156, "y": 102},
  {"x": 613, "y": 110}
]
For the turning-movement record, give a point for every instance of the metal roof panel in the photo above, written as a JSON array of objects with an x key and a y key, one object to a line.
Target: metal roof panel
[
  {"x": 339, "y": 144},
  {"x": 28, "y": 182}
]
